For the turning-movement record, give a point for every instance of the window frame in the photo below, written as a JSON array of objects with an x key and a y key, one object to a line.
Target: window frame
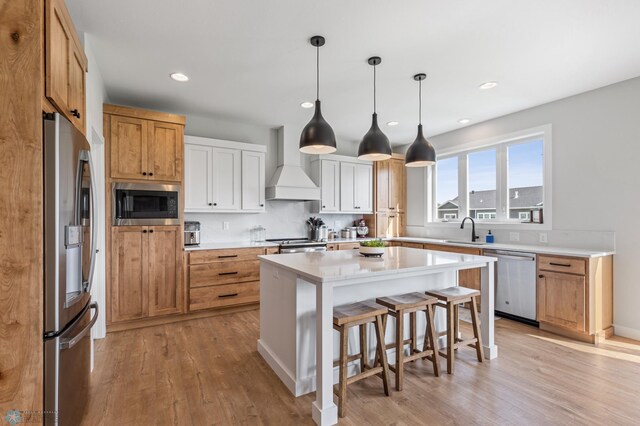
[{"x": 501, "y": 144}]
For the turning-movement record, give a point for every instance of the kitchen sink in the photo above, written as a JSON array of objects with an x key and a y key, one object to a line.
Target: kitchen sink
[{"x": 474, "y": 243}]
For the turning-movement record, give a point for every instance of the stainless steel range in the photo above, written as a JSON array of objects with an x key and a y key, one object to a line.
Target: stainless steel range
[{"x": 299, "y": 245}]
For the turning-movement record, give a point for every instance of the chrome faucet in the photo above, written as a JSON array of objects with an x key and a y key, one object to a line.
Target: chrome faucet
[{"x": 474, "y": 237}]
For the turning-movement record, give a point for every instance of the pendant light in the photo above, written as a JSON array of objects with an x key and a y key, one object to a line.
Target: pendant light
[
  {"x": 421, "y": 153},
  {"x": 317, "y": 136},
  {"x": 375, "y": 144}
]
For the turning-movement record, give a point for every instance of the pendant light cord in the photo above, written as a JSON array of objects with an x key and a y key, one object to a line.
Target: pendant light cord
[
  {"x": 420, "y": 103},
  {"x": 317, "y": 73},
  {"x": 374, "y": 88}
]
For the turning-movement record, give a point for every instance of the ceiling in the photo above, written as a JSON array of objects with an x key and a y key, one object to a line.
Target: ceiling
[{"x": 250, "y": 61}]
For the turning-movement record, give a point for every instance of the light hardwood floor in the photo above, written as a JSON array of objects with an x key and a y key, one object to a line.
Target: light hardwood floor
[{"x": 207, "y": 371}]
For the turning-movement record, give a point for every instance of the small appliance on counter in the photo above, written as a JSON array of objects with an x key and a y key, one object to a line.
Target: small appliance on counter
[
  {"x": 258, "y": 234},
  {"x": 191, "y": 233}
]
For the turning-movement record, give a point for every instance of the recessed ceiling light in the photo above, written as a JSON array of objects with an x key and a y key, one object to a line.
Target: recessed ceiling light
[
  {"x": 178, "y": 76},
  {"x": 392, "y": 123},
  {"x": 307, "y": 105},
  {"x": 488, "y": 85},
  {"x": 464, "y": 120}
]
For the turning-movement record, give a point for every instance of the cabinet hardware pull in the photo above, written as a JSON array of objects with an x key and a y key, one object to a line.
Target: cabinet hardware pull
[
  {"x": 392, "y": 208},
  {"x": 150, "y": 173},
  {"x": 144, "y": 231},
  {"x": 540, "y": 276},
  {"x": 151, "y": 231},
  {"x": 75, "y": 113},
  {"x": 324, "y": 207},
  {"x": 565, "y": 265},
  {"x": 261, "y": 205},
  {"x": 228, "y": 295},
  {"x": 215, "y": 204},
  {"x": 210, "y": 204},
  {"x": 227, "y": 256},
  {"x": 228, "y": 273},
  {"x": 144, "y": 173}
]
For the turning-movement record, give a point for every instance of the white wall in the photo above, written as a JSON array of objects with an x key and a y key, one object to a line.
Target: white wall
[
  {"x": 596, "y": 188},
  {"x": 282, "y": 219},
  {"x": 95, "y": 97}
]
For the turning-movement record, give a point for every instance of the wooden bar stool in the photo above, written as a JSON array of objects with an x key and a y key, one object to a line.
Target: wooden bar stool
[
  {"x": 411, "y": 303},
  {"x": 450, "y": 298},
  {"x": 359, "y": 314}
]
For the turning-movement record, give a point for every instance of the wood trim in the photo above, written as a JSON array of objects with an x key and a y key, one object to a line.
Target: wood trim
[
  {"x": 143, "y": 114},
  {"x": 170, "y": 319},
  {"x": 21, "y": 213}
]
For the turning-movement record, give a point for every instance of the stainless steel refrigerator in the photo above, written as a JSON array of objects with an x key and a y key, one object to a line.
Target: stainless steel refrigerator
[{"x": 70, "y": 252}]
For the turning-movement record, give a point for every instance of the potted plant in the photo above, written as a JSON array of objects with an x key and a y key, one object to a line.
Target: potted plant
[{"x": 372, "y": 247}]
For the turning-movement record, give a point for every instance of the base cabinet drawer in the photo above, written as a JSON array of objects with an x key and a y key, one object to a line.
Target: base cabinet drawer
[
  {"x": 562, "y": 264},
  {"x": 218, "y": 273},
  {"x": 348, "y": 246},
  {"x": 224, "y": 255},
  {"x": 224, "y": 295}
]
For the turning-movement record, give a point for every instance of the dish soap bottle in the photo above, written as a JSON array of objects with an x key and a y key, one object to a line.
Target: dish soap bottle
[{"x": 489, "y": 237}]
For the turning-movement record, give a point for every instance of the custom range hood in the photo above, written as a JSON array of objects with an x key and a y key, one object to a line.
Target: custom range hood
[{"x": 289, "y": 181}]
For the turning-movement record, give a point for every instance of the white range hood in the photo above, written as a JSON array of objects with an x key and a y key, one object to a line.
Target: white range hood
[{"x": 289, "y": 181}]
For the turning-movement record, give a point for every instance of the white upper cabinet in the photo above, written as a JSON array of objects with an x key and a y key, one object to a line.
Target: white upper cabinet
[
  {"x": 223, "y": 176},
  {"x": 198, "y": 177},
  {"x": 330, "y": 186},
  {"x": 226, "y": 179},
  {"x": 346, "y": 184},
  {"x": 356, "y": 186},
  {"x": 253, "y": 180}
]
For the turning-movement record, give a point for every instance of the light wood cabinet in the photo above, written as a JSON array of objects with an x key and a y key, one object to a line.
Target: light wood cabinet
[
  {"x": 146, "y": 271},
  {"x": 144, "y": 148},
  {"x": 224, "y": 277},
  {"x": 347, "y": 246},
  {"x": 221, "y": 178},
  {"x": 65, "y": 64},
  {"x": 129, "y": 273},
  {"x": 390, "y": 198},
  {"x": 165, "y": 270},
  {"x": 575, "y": 296}
]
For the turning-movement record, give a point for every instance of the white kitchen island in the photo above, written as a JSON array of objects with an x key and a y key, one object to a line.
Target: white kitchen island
[{"x": 298, "y": 292}]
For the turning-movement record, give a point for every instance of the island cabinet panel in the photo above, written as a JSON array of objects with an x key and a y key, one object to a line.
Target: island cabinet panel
[
  {"x": 224, "y": 277},
  {"x": 412, "y": 245}
]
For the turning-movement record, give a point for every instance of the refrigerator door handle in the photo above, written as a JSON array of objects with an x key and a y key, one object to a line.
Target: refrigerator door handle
[
  {"x": 70, "y": 343},
  {"x": 94, "y": 228}
]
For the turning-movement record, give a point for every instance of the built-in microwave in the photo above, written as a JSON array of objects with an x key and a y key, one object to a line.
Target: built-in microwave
[{"x": 145, "y": 204}]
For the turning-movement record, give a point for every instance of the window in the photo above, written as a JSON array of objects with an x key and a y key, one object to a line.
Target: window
[
  {"x": 501, "y": 179},
  {"x": 447, "y": 189},
  {"x": 524, "y": 216}
]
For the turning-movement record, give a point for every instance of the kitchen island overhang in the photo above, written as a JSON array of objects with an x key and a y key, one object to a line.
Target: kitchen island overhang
[{"x": 298, "y": 292}]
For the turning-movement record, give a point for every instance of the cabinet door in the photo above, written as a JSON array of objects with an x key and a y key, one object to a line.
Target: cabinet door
[
  {"x": 165, "y": 151},
  {"x": 58, "y": 42},
  {"x": 382, "y": 225},
  {"x": 396, "y": 185},
  {"x": 129, "y": 273},
  {"x": 128, "y": 148},
  {"x": 382, "y": 185},
  {"x": 77, "y": 88},
  {"x": 165, "y": 270},
  {"x": 561, "y": 300},
  {"x": 330, "y": 185},
  {"x": 348, "y": 187},
  {"x": 198, "y": 177},
  {"x": 364, "y": 188},
  {"x": 226, "y": 179},
  {"x": 253, "y": 176}
]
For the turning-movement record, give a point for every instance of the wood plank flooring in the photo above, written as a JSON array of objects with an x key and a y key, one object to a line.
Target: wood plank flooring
[{"x": 208, "y": 372}]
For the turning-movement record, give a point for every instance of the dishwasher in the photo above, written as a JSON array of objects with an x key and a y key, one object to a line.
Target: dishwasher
[{"x": 515, "y": 285}]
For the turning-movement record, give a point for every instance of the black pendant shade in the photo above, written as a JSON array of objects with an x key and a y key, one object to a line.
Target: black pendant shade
[
  {"x": 375, "y": 144},
  {"x": 420, "y": 153},
  {"x": 317, "y": 137}
]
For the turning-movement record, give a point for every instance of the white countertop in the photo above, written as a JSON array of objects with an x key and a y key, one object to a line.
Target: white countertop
[
  {"x": 229, "y": 245},
  {"x": 334, "y": 266},
  {"x": 562, "y": 251}
]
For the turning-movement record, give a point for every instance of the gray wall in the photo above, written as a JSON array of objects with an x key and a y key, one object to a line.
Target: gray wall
[{"x": 596, "y": 188}]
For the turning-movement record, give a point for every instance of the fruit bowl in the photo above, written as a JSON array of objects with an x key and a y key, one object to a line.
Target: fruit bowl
[{"x": 371, "y": 251}]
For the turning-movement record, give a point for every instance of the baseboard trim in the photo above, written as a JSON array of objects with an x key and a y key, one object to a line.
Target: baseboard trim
[
  {"x": 628, "y": 332},
  {"x": 169, "y": 319}
]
